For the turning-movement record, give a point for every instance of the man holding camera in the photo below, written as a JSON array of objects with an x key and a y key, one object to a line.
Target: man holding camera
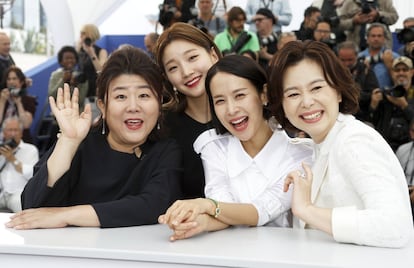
[
  {"x": 234, "y": 39},
  {"x": 392, "y": 109},
  {"x": 356, "y": 15},
  {"x": 264, "y": 21},
  {"x": 17, "y": 160}
]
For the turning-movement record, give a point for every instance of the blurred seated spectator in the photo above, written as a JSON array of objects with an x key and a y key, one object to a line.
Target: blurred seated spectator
[
  {"x": 308, "y": 25},
  {"x": 14, "y": 100},
  {"x": 206, "y": 20},
  {"x": 17, "y": 160},
  {"x": 69, "y": 73},
  {"x": 365, "y": 78}
]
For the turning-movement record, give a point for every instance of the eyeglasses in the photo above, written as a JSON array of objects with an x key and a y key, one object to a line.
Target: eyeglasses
[{"x": 323, "y": 31}]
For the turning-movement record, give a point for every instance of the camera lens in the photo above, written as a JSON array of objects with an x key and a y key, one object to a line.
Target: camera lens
[{"x": 88, "y": 41}]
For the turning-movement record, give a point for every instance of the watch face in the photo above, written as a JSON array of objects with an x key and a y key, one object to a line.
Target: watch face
[{"x": 16, "y": 162}]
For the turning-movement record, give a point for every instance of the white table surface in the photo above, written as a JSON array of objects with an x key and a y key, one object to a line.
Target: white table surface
[{"x": 149, "y": 246}]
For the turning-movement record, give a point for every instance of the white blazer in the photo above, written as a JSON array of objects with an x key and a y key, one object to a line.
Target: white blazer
[{"x": 358, "y": 175}]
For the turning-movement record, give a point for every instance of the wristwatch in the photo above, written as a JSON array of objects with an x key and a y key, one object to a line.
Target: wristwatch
[{"x": 16, "y": 162}]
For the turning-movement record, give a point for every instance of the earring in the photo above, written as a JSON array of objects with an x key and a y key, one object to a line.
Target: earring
[
  {"x": 103, "y": 126},
  {"x": 158, "y": 126},
  {"x": 176, "y": 95}
]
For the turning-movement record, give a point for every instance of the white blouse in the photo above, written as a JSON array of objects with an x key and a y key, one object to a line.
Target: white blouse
[{"x": 233, "y": 176}]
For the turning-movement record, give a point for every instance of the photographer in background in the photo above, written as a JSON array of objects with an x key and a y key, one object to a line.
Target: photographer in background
[
  {"x": 17, "y": 160},
  {"x": 172, "y": 11},
  {"x": 206, "y": 20},
  {"x": 234, "y": 39},
  {"x": 323, "y": 33},
  {"x": 14, "y": 101},
  {"x": 91, "y": 61},
  {"x": 68, "y": 73},
  {"x": 406, "y": 37},
  {"x": 364, "y": 77},
  {"x": 356, "y": 16},
  {"x": 264, "y": 21},
  {"x": 393, "y": 108}
]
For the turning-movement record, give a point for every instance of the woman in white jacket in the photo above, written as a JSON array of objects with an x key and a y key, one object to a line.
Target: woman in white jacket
[{"x": 356, "y": 190}]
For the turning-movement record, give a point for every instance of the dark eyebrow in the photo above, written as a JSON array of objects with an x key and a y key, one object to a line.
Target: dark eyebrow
[
  {"x": 235, "y": 91},
  {"x": 317, "y": 80},
  {"x": 185, "y": 52}
]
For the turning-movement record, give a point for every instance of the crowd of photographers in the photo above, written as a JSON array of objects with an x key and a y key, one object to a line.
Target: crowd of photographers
[{"x": 357, "y": 30}]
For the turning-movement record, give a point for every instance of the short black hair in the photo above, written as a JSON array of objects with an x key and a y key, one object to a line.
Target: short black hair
[{"x": 65, "y": 49}]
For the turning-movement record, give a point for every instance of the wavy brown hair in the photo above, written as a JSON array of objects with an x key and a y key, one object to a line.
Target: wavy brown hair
[{"x": 336, "y": 75}]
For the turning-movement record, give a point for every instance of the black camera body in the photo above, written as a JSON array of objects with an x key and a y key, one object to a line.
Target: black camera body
[
  {"x": 10, "y": 142},
  {"x": 405, "y": 35},
  {"x": 16, "y": 92},
  {"x": 88, "y": 41},
  {"x": 397, "y": 91},
  {"x": 367, "y": 5}
]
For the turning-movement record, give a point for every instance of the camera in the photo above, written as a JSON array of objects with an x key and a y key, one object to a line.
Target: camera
[
  {"x": 16, "y": 92},
  {"x": 367, "y": 5},
  {"x": 405, "y": 35},
  {"x": 10, "y": 142},
  {"x": 88, "y": 41},
  {"x": 397, "y": 91},
  {"x": 198, "y": 24}
]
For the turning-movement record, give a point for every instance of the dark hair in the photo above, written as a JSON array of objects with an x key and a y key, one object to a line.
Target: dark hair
[
  {"x": 336, "y": 75},
  {"x": 131, "y": 61},
  {"x": 234, "y": 13},
  {"x": 19, "y": 73},
  {"x": 247, "y": 69},
  {"x": 189, "y": 33},
  {"x": 310, "y": 10},
  {"x": 65, "y": 49}
]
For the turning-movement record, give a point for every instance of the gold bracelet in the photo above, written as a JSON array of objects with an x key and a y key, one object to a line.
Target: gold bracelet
[{"x": 217, "y": 209}]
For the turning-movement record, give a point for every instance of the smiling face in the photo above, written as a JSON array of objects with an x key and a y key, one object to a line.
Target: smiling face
[
  {"x": 238, "y": 106},
  {"x": 13, "y": 81},
  {"x": 132, "y": 112},
  {"x": 309, "y": 102},
  {"x": 186, "y": 66},
  {"x": 68, "y": 60}
]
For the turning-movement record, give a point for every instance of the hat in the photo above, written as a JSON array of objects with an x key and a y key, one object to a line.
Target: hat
[
  {"x": 403, "y": 59},
  {"x": 267, "y": 13}
]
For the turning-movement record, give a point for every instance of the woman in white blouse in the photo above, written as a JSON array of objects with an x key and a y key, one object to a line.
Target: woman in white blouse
[
  {"x": 244, "y": 158},
  {"x": 356, "y": 190}
]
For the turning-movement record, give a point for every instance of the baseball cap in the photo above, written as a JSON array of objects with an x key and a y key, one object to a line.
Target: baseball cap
[
  {"x": 403, "y": 59},
  {"x": 265, "y": 12}
]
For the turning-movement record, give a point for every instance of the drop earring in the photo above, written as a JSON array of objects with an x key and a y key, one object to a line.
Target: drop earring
[
  {"x": 176, "y": 95},
  {"x": 103, "y": 126},
  {"x": 158, "y": 126}
]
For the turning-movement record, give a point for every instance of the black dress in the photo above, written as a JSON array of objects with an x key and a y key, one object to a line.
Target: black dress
[
  {"x": 124, "y": 190},
  {"x": 185, "y": 131}
]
